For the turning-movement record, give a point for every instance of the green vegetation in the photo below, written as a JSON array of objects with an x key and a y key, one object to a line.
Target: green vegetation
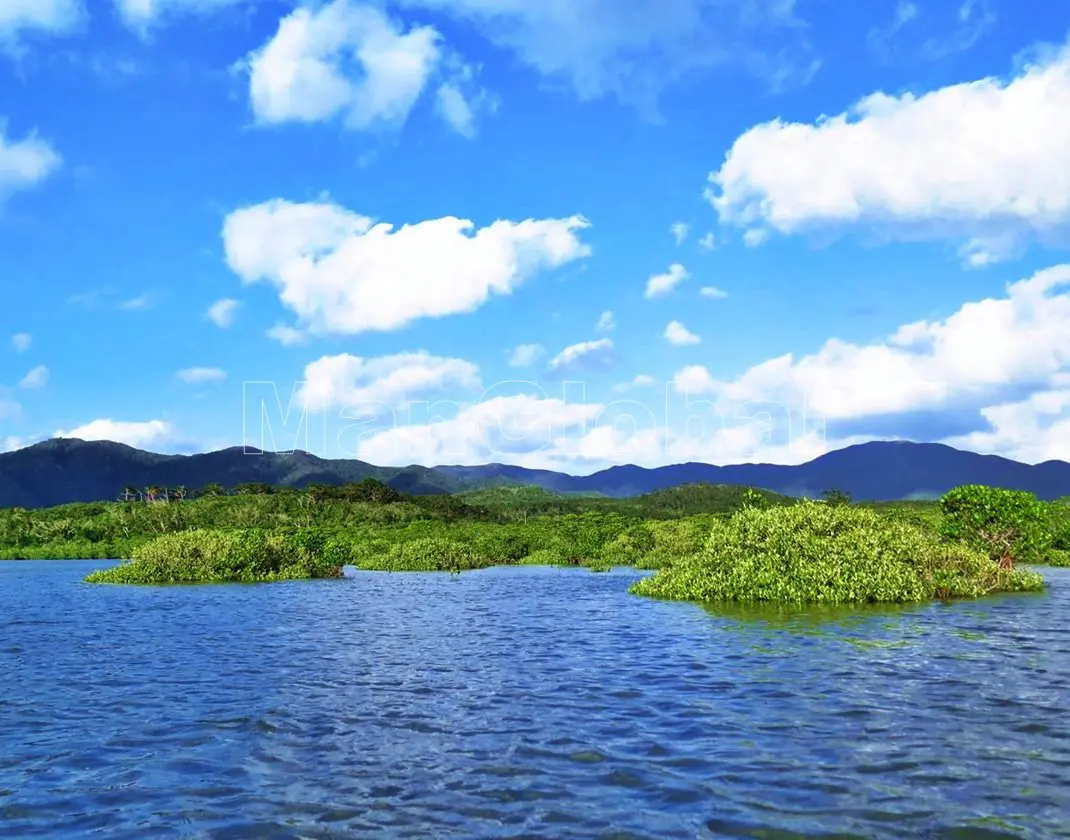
[
  {"x": 814, "y": 553},
  {"x": 705, "y": 542},
  {"x": 236, "y": 556}
]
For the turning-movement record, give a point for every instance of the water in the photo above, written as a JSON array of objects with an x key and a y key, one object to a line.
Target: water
[{"x": 521, "y": 703}]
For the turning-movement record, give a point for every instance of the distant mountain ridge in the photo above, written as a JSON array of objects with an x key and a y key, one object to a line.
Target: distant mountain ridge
[{"x": 67, "y": 470}]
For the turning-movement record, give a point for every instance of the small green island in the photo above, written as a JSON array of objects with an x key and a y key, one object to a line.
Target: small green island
[{"x": 706, "y": 543}]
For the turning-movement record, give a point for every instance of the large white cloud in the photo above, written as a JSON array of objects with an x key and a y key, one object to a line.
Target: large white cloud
[
  {"x": 151, "y": 434},
  {"x": 354, "y": 382},
  {"x": 53, "y": 16},
  {"x": 1004, "y": 361},
  {"x": 352, "y": 60},
  {"x": 25, "y": 162},
  {"x": 985, "y": 161},
  {"x": 345, "y": 273},
  {"x": 634, "y": 48},
  {"x": 547, "y": 433}
]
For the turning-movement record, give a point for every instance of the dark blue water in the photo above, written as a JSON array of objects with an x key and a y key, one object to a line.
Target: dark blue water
[{"x": 521, "y": 703}]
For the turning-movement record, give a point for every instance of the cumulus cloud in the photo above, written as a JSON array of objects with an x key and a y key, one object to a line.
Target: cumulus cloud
[
  {"x": 676, "y": 333},
  {"x": 633, "y": 50},
  {"x": 982, "y": 161},
  {"x": 606, "y": 322},
  {"x": 343, "y": 273},
  {"x": 154, "y": 435},
  {"x": 662, "y": 284},
  {"x": 1002, "y": 361},
  {"x": 543, "y": 432},
  {"x": 24, "y": 163},
  {"x": 21, "y": 342},
  {"x": 222, "y": 312},
  {"x": 352, "y": 381},
  {"x": 36, "y": 378},
  {"x": 201, "y": 375},
  {"x": 525, "y": 355},
  {"x": 49, "y": 16},
  {"x": 584, "y": 357},
  {"x": 712, "y": 292},
  {"x": 679, "y": 232},
  {"x": 353, "y": 61},
  {"x": 707, "y": 242}
]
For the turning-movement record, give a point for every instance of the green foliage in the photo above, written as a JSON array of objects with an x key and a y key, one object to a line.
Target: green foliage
[
  {"x": 1057, "y": 557},
  {"x": 1010, "y": 525},
  {"x": 243, "y": 556},
  {"x": 828, "y": 554},
  {"x": 426, "y": 554},
  {"x": 833, "y": 496}
]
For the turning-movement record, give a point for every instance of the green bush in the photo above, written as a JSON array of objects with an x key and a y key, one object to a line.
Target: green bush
[
  {"x": 228, "y": 556},
  {"x": 1010, "y": 525},
  {"x": 543, "y": 557},
  {"x": 426, "y": 554},
  {"x": 828, "y": 554}
]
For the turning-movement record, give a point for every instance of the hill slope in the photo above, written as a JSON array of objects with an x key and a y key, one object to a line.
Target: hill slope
[{"x": 59, "y": 471}]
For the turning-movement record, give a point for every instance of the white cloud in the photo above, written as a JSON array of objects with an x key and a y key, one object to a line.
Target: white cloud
[
  {"x": 141, "y": 435},
  {"x": 343, "y": 273},
  {"x": 662, "y": 284},
  {"x": 606, "y": 322},
  {"x": 141, "y": 14},
  {"x": 459, "y": 100},
  {"x": 694, "y": 379},
  {"x": 633, "y": 50},
  {"x": 350, "y": 60},
  {"x": 222, "y": 312},
  {"x": 971, "y": 357},
  {"x": 24, "y": 163},
  {"x": 345, "y": 380},
  {"x": 676, "y": 333},
  {"x": 712, "y": 292},
  {"x": 21, "y": 342},
  {"x": 754, "y": 237},
  {"x": 286, "y": 335},
  {"x": 548, "y": 433},
  {"x": 525, "y": 355},
  {"x": 707, "y": 242},
  {"x": 583, "y": 357},
  {"x": 984, "y": 159},
  {"x": 640, "y": 381},
  {"x": 679, "y": 232},
  {"x": 201, "y": 375},
  {"x": 36, "y": 378},
  {"x": 52, "y": 16}
]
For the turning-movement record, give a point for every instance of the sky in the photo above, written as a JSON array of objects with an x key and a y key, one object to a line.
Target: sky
[{"x": 565, "y": 234}]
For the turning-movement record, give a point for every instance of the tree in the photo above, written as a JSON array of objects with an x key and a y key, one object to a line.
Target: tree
[
  {"x": 179, "y": 493},
  {"x": 129, "y": 493},
  {"x": 1008, "y": 524},
  {"x": 832, "y": 496},
  {"x": 151, "y": 492},
  {"x": 213, "y": 489},
  {"x": 753, "y": 499},
  {"x": 253, "y": 488}
]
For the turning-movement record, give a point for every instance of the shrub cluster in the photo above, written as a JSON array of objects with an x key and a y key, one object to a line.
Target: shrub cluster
[
  {"x": 829, "y": 554},
  {"x": 245, "y": 556}
]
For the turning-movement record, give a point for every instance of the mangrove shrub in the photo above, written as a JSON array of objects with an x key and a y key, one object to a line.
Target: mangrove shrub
[
  {"x": 245, "y": 556},
  {"x": 1010, "y": 525},
  {"x": 828, "y": 554}
]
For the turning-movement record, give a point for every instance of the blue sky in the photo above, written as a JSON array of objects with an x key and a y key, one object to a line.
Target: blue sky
[{"x": 811, "y": 222}]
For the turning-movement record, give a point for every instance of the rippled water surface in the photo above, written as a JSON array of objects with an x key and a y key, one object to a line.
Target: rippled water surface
[{"x": 521, "y": 703}]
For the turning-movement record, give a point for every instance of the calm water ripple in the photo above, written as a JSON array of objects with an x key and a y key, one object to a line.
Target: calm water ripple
[{"x": 522, "y": 702}]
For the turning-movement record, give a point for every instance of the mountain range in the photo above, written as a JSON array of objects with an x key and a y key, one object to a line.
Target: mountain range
[{"x": 68, "y": 470}]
